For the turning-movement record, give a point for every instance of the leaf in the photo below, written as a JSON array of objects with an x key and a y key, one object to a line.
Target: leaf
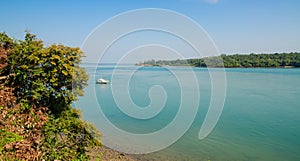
[
  {"x": 53, "y": 63},
  {"x": 64, "y": 72},
  {"x": 24, "y": 66},
  {"x": 55, "y": 57}
]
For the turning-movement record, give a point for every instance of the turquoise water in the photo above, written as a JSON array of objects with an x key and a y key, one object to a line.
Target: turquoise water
[{"x": 260, "y": 120}]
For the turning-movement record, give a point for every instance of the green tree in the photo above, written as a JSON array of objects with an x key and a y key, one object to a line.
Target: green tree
[
  {"x": 45, "y": 76},
  {"x": 236, "y": 60}
]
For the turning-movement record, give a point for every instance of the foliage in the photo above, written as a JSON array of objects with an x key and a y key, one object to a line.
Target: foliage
[
  {"x": 68, "y": 137},
  {"x": 5, "y": 45},
  {"x": 7, "y": 137},
  {"x": 37, "y": 86},
  {"x": 99, "y": 156},
  {"x": 262, "y": 60},
  {"x": 232, "y": 61},
  {"x": 45, "y": 76},
  {"x": 25, "y": 123}
]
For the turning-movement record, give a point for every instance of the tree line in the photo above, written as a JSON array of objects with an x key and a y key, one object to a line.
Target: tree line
[{"x": 275, "y": 60}]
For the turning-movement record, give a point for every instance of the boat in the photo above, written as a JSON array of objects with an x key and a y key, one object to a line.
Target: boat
[{"x": 102, "y": 81}]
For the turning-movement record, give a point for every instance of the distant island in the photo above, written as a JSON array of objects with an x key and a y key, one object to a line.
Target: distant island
[{"x": 276, "y": 60}]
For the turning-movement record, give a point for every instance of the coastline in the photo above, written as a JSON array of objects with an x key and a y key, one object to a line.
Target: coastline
[
  {"x": 104, "y": 153},
  {"x": 279, "y": 67}
]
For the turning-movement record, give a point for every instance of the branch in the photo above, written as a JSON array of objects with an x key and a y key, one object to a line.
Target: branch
[{"x": 5, "y": 77}]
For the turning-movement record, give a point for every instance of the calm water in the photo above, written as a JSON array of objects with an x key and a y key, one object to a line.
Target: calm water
[{"x": 260, "y": 119}]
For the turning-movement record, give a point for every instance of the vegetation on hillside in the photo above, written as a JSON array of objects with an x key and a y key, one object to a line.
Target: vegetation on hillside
[
  {"x": 37, "y": 86},
  {"x": 236, "y": 61}
]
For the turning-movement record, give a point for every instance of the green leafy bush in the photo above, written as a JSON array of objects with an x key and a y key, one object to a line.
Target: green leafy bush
[
  {"x": 44, "y": 76},
  {"x": 44, "y": 80},
  {"x": 67, "y": 137}
]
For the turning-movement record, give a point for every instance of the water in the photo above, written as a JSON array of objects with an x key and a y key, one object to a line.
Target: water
[{"x": 260, "y": 120}]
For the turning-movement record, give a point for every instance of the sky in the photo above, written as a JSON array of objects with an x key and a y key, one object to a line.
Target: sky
[{"x": 235, "y": 26}]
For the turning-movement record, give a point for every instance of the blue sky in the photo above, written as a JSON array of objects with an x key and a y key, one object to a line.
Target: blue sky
[{"x": 236, "y": 26}]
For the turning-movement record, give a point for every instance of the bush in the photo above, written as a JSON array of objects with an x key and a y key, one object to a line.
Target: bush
[
  {"x": 45, "y": 76},
  {"x": 67, "y": 137},
  {"x": 37, "y": 86}
]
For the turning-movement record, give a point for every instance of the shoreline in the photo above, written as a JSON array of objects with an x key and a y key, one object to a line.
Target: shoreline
[
  {"x": 280, "y": 67},
  {"x": 108, "y": 154},
  {"x": 105, "y": 153}
]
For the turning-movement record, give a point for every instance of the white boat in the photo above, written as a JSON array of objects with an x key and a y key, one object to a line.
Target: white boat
[{"x": 102, "y": 81}]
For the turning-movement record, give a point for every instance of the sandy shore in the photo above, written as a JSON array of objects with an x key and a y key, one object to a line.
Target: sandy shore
[
  {"x": 109, "y": 155},
  {"x": 113, "y": 155}
]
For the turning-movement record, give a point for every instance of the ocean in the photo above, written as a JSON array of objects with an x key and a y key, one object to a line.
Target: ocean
[{"x": 260, "y": 120}]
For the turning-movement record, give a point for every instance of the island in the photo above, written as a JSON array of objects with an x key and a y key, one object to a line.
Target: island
[{"x": 275, "y": 60}]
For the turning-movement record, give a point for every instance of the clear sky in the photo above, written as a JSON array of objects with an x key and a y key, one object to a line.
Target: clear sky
[{"x": 236, "y": 26}]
